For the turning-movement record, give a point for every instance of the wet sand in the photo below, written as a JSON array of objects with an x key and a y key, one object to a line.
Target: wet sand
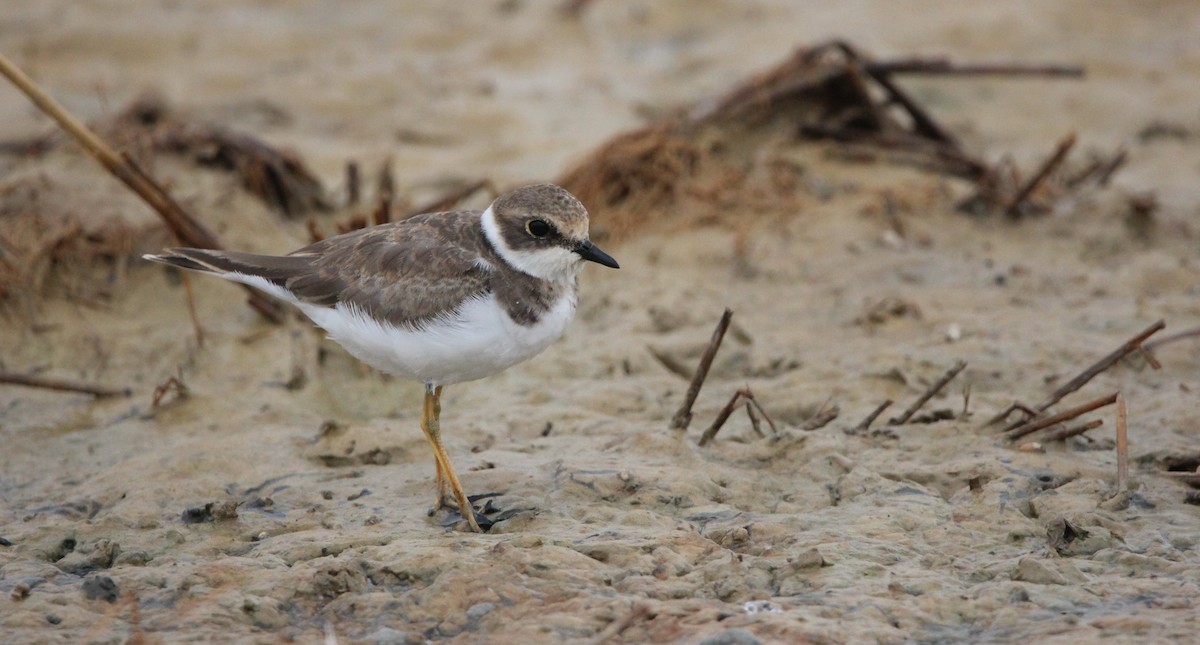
[{"x": 615, "y": 526}]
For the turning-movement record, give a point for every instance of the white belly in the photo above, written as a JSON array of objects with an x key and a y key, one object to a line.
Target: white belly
[{"x": 482, "y": 340}]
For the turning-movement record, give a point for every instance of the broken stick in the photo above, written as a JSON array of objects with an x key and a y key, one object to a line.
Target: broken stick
[
  {"x": 61, "y": 385},
  {"x": 683, "y": 417},
  {"x": 1056, "y": 159},
  {"x": 754, "y": 422},
  {"x": 753, "y": 402},
  {"x": 711, "y": 432},
  {"x": 1065, "y": 415},
  {"x": 943, "y": 66},
  {"x": 1122, "y": 446},
  {"x": 865, "y": 424},
  {"x": 743, "y": 394},
  {"x": 1088, "y": 374},
  {"x": 1067, "y": 433},
  {"x": 929, "y": 394},
  {"x": 1016, "y": 406},
  {"x": 1159, "y": 342},
  {"x": 353, "y": 183},
  {"x": 186, "y": 228},
  {"x": 822, "y": 418}
]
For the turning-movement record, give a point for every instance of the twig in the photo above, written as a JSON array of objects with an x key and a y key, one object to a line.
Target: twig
[
  {"x": 1108, "y": 170},
  {"x": 186, "y": 228},
  {"x": 172, "y": 384},
  {"x": 856, "y": 78},
  {"x": 353, "y": 183},
  {"x": 822, "y": 418},
  {"x": 1122, "y": 445},
  {"x": 1066, "y": 415},
  {"x": 1086, "y": 173},
  {"x": 743, "y": 394},
  {"x": 683, "y": 416},
  {"x": 1159, "y": 342},
  {"x": 1151, "y": 359},
  {"x": 1006, "y": 412},
  {"x": 922, "y": 121},
  {"x": 383, "y": 210},
  {"x": 61, "y": 385},
  {"x": 1060, "y": 153},
  {"x": 722, "y": 417},
  {"x": 1101, "y": 169},
  {"x": 386, "y": 181},
  {"x": 186, "y": 280},
  {"x": 755, "y": 424},
  {"x": 942, "y": 66},
  {"x": 314, "y": 231},
  {"x": 752, "y": 400},
  {"x": 1126, "y": 348},
  {"x": 929, "y": 394},
  {"x": 966, "y": 411},
  {"x": 1067, "y": 433},
  {"x": 865, "y": 424}
]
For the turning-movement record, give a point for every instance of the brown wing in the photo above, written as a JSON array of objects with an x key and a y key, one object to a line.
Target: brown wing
[{"x": 406, "y": 273}]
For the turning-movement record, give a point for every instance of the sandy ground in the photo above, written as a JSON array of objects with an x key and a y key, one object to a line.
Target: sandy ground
[{"x": 615, "y": 526}]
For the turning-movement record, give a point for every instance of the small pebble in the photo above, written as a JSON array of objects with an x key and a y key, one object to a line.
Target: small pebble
[
  {"x": 479, "y": 610},
  {"x": 892, "y": 240}
]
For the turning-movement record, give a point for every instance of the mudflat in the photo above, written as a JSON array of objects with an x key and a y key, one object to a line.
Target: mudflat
[{"x": 279, "y": 491}]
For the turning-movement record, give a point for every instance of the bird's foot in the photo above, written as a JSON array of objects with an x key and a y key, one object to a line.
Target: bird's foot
[{"x": 455, "y": 516}]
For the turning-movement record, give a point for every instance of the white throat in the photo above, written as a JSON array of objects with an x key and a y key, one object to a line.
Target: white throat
[{"x": 554, "y": 263}]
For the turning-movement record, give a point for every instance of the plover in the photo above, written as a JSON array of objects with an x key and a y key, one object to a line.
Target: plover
[{"x": 440, "y": 298}]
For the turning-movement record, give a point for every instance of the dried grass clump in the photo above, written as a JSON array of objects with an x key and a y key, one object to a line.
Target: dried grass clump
[
  {"x": 47, "y": 250},
  {"x": 725, "y": 150}
]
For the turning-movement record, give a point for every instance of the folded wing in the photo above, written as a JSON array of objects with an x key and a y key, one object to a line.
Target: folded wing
[{"x": 406, "y": 273}]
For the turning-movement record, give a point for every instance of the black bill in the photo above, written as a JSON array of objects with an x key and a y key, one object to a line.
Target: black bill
[{"x": 591, "y": 252}]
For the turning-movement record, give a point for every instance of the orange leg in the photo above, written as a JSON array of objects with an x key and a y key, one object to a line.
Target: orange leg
[
  {"x": 441, "y": 485},
  {"x": 431, "y": 425}
]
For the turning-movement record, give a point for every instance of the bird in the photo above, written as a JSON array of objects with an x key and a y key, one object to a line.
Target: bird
[{"x": 439, "y": 298}]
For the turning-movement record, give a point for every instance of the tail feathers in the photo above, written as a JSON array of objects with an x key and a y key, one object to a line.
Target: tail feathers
[
  {"x": 177, "y": 260},
  {"x": 276, "y": 270}
]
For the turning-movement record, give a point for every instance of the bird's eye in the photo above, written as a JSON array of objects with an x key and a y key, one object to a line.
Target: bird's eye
[{"x": 537, "y": 228}]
